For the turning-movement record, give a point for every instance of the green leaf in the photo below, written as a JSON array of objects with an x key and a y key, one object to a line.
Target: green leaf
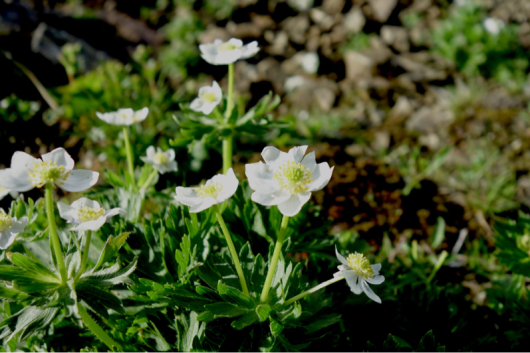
[
  {"x": 108, "y": 276},
  {"x": 111, "y": 248},
  {"x": 90, "y": 293},
  {"x": 12, "y": 294},
  {"x": 31, "y": 265},
  {"x": 276, "y": 327},
  {"x": 322, "y": 322},
  {"x": 234, "y": 296},
  {"x": 439, "y": 233},
  {"x": 217, "y": 310},
  {"x": 27, "y": 281},
  {"x": 245, "y": 320},
  {"x": 263, "y": 312},
  {"x": 26, "y": 321}
]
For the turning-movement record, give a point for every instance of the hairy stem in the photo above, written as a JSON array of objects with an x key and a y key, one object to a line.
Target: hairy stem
[
  {"x": 274, "y": 261},
  {"x": 52, "y": 227},
  {"x": 233, "y": 252},
  {"x": 227, "y": 153},
  {"x": 95, "y": 328},
  {"x": 230, "y": 99},
  {"x": 128, "y": 150},
  {"x": 84, "y": 259},
  {"x": 312, "y": 290}
]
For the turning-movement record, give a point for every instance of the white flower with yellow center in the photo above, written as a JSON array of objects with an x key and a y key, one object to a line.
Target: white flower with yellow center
[
  {"x": 27, "y": 172},
  {"x": 161, "y": 161},
  {"x": 4, "y": 191},
  {"x": 9, "y": 228},
  {"x": 224, "y": 53},
  {"x": 216, "y": 190},
  {"x": 124, "y": 116},
  {"x": 286, "y": 180},
  {"x": 86, "y": 214},
  {"x": 209, "y": 98},
  {"x": 358, "y": 272}
]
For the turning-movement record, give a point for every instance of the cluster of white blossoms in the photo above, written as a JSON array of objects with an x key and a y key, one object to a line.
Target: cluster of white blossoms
[
  {"x": 56, "y": 167},
  {"x": 124, "y": 116},
  {"x": 162, "y": 161},
  {"x": 225, "y": 53},
  {"x": 86, "y": 214},
  {"x": 358, "y": 272},
  {"x": 9, "y": 228},
  {"x": 209, "y": 98}
]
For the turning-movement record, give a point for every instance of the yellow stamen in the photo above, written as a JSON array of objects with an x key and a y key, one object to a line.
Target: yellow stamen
[
  {"x": 209, "y": 97},
  {"x": 87, "y": 214},
  {"x": 160, "y": 158},
  {"x": 293, "y": 177},
  {"x": 210, "y": 189},
  {"x": 227, "y": 46},
  {"x": 5, "y": 221},
  {"x": 361, "y": 265},
  {"x": 47, "y": 172}
]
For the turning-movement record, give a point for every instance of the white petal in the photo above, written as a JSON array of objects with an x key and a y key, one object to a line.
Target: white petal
[
  {"x": 228, "y": 57},
  {"x": 170, "y": 153},
  {"x": 67, "y": 213},
  {"x": 22, "y": 161},
  {"x": 297, "y": 153},
  {"x": 79, "y": 180},
  {"x": 339, "y": 274},
  {"x": 140, "y": 115},
  {"x": 310, "y": 162},
  {"x": 250, "y": 50},
  {"x": 84, "y": 202},
  {"x": 115, "y": 118},
  {"x": 376, "y": 280},
  {"x": 274, "y": 157},
  {"x": 238, "y": 43},
  {"x": 91, "y": 225},
  {"x": 196, "y": 105},
  {"x": 216, "y": 89},
  {"x": 6, "y": 239},
  {"x": 61, "y": 157},
  {"x": 322, "y": 174},
  {"x": 18, "y": 226},
  {"x": 3, "y": 192},
  {"x": 204, "y": 204},
  {"x": 150, "y": 152},
  {"x": 272, "y": 199},
  {"x": 376, "y": 267},
  {"x": 114, "y": 212},
  {"x": 187, "y": 196},
  {"x": 341, "y": 258},
  {"x": 207, "y": 108},
  {"x": 370, "y": 293},
  {"x": 15, "y": 180},
  {"x": 294, "y": 204},
  {"x": 353, "y": 281},
  {"x": 260, "y": 177},
  {"x": 230, "y": 184}
]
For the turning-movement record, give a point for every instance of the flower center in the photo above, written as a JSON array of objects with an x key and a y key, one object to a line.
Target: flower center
[
  {"x": 209, "y": 97},
  {"x": 293, "y": 177},
  {"x": 87, "y": 214},
  {"x": 160, "y": 158},
  {"x": 211, "y": 189},
  {"x": 361, "y": 265},
  {"x": 5, "y": 221},
  {"x": 47, "y": 172},
  {"x": 227, "y": 46}
]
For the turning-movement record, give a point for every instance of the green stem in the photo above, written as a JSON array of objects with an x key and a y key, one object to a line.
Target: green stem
[
  {"x": 52, "y": 226},
  {"x": 233, "y": 252},
  {"x": 84, "y": 259},
  {"x": 128, "y": 150},
  {"x": 274, "y": 261},
  {"x": 230, "y": 100},
  {"x": 227, "y": 153},
  {"x": 194, "y": 219},
  {"x": 149, "y": 179},
  {"x": 439, "y": 264},
  {"x": 95, "y": 328},
  {"x": 312, "y": 290}
]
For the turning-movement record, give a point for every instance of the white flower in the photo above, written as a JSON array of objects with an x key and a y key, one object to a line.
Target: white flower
[
  {"x": 209, "y": 98},
  {"x": 27, "y": 172},
  {"x": 286, "y": 180},
  {"x": 9, "y": 228},
  {"x": 86, "y": 214},
  {"x": 124, "y": 116},
  {"x": 162, "y": 161},
  {"x": 358, "y": 272},
  {"x": 493, "y": 25},
  {"x": 224, "y": 53},
  {"x": 216, "y": 190},
  {"x": 4, "y": 191}
]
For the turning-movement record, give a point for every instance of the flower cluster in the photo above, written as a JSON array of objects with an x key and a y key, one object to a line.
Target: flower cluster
[
  {"x": 86, "y": 214},
  {"x": 124, "y": 116}
]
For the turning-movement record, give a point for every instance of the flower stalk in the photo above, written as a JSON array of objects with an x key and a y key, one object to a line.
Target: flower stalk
[
  {"x": 52, "y": 226},
  {"x": 149, "y": 179},
  {"x": 312, "y": 290},
  {"x": 274, "y": 261},
  {"x": 228, "y": 140},
  {"x": 84, "y": 259},
  {"x": 95, "y": 328},
  {"x": 233, "y": 252},
  {"x": 128, "y": 150}
]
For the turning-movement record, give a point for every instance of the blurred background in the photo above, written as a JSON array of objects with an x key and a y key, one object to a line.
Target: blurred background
[{"x": 420, "y": 105}]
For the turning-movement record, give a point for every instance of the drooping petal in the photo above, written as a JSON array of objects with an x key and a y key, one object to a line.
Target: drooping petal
[
  {"x": 293, "y": 205},
  {"x": 297, "y": 153},
  {"x": 67, "y": 212},
  {"x": 61, "y": 157},
  {"x": 353, "y": 281},
  {"x": 79, "y": 180},
  {"x": 91, "y": 225},
  {"x": 271, "y": 199},
  {"x": 260, "y": 177},
  {"x": 230, "y": 184},
  {"x": 341, "y": 258},
  {"x": 376, "y": 267},
  {"x": 204, "y": 204},
  {"x": 15, "y": 180},
  {"x": 376, "y": 279},
  {"x": 6, "y": 239},
  {"x": 113, "y": 212},
  {"x": 250, "y": 50},
  {"x": 322, "y": 174},
  {"x": 369, "y": 292},
  {"x": 310, "y": 162},
  {"x": 18, "y": 225},
  {"x": 196, "y": 104},
  {"x": 140, "y": 115},
  {"x": 187, "y": 196}
]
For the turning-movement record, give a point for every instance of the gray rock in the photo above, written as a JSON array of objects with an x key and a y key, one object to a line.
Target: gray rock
[
  {"x": 430, "y": 119},
  {"x": 357, "y": 65},
  {"x": 397, "y": 37},
  {"x": 381, "y": 9},
  {"x": 401, "y": 110},
  {"x": 354, "y": 21},
  {"x": 279, "y": 43},
  {"x": 333, "y": 7},
  {"x": 325, "y": 98},
  {"x": 381, "y": 141},
  {"x": 296, "y": 27}
]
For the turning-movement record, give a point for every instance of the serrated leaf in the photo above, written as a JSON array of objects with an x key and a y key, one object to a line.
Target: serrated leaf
[
  {"x": 27, "y": 281},
  {"x": 108, "y": 276},
  {"x": 263, "y": 312},
  {"x": 217, "y": 310},
  {"x": 276, "y": 327},
  {"x": 111, "y": 248},
  {"x": 234, "y": 296},
  {"x": 245, "y": 320}
]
